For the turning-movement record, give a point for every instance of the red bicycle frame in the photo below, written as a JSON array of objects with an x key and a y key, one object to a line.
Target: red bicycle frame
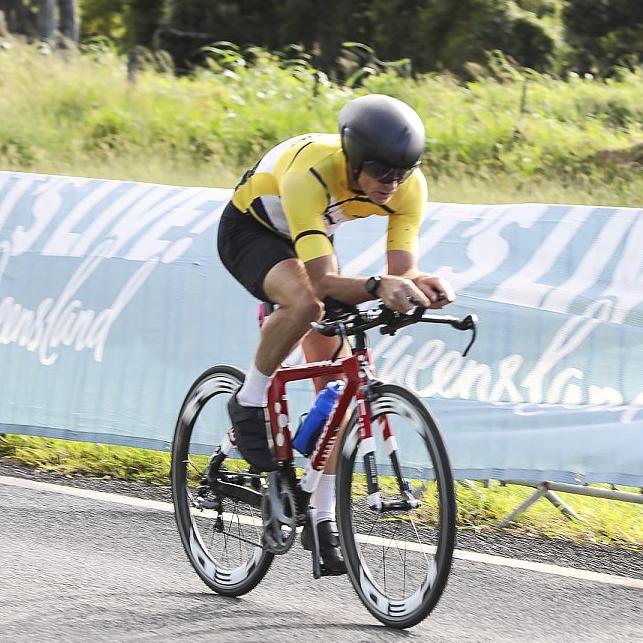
[{"x": 355, "y": 369}]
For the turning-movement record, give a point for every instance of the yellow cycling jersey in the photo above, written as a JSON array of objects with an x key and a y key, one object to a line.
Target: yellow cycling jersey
[{"x": 299, "y": 189}]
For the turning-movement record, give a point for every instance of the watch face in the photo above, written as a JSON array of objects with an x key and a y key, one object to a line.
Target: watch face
[{"x": 372, "y": 285}]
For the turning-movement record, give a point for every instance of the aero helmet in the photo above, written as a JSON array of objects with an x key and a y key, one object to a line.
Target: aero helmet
[{"x": 383, "y": 129}]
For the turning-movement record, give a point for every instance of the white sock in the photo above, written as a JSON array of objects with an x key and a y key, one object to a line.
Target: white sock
[
  {"x": 323, "y": 498},
  {"x": 254, "y": 391}
]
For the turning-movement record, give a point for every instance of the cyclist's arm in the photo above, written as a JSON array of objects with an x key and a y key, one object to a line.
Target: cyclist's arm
[
  {"x": 304, "y": 200},
  {"x": 402, "y": 242},
  {"x": 404, "y": 264},
  {"x": 396, "y": 292},
  {"x": 327, "y": 282}
]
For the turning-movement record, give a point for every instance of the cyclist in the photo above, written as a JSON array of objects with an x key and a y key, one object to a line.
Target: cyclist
[{"x": 275, "y": 237}]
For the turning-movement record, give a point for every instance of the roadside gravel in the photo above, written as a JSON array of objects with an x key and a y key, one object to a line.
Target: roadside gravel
[{"x": 597, "y": 558}]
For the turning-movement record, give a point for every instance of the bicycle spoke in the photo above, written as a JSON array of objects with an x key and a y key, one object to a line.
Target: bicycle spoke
[
  {"x": 219, "y": 532},
  {"x": 400, "y": 557},
  {"x": 190, "y": 463},
  {"x": 383, "y": 565},
  {"x": 404, "y": 584},
  {"x": 417, "y": 535}
]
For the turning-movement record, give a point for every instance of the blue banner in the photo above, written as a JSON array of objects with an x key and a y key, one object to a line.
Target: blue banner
[{"x": 113, "y": 299}]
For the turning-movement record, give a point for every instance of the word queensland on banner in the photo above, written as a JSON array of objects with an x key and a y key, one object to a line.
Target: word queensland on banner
[{"x": 113, "y": 299}]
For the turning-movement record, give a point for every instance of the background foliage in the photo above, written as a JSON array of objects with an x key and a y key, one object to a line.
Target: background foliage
[
  {"x": 547, "y": 35},
  {"x": 492, "y": 118},
  {"x": 514, "y": 122}
]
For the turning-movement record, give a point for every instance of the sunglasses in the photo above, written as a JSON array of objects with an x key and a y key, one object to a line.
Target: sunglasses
[{"x": 386, "y": 173}]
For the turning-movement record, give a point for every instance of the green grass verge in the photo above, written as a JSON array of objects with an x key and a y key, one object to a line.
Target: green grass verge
[
  {"x": 479, "y": 508},
  {"x": 500, "y": 188},
  {"x": 514, "y": 136}
]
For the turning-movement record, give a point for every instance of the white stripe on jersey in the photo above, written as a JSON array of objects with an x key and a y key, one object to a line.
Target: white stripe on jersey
[
  {"x": 272, "y": 204},
  {"x": 268, "y": 162}
]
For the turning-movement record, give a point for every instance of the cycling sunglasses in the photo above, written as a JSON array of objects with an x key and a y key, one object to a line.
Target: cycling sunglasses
[{"x": 386, "y": 173}]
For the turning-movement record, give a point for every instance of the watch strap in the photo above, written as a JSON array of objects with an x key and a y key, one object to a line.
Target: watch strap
[{"x": 373, "y": 284}]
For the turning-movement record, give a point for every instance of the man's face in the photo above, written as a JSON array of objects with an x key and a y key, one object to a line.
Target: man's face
[
  {"x": 380, "y": 181},
  {"x": 375, "y": 190}
]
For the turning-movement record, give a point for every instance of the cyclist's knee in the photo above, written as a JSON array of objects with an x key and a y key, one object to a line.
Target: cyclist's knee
[
  {"x": 311, "y": 309},
  {"x": 306, "y": 307}
]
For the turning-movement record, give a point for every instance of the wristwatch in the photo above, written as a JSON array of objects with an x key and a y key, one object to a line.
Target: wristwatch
[{"x": 372, "y": 285}]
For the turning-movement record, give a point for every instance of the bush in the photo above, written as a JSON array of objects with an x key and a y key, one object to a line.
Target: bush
[
  {"x": 604, "y": 34},
  {"x": 516, "y": 122}
]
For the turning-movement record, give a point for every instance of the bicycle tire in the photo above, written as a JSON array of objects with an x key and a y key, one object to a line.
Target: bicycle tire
[
  {"x": 213, "y": 568},
  {"x": 435, "y": 532}
]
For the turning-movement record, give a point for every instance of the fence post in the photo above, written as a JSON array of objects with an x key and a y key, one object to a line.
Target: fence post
[{"x": 132, "y": 65}]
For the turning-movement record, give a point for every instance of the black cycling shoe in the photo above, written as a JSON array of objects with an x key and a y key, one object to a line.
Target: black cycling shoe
[
  {"x": 250, "y": 430},
  {"x": 329, "y": 551}
]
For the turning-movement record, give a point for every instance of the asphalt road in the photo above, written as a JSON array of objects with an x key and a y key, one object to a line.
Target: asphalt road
[{"x": 82, "y": 569}]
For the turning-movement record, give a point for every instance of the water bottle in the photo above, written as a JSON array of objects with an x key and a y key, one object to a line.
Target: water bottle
[{"x": 310, "y": 429}]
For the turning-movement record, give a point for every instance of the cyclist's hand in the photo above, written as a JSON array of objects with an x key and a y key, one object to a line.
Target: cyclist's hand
[
  {"x": 401, "y": 294},
  {"x": 437, "y": 290}
]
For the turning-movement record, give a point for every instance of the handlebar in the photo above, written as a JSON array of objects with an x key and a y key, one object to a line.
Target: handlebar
[{"x": 390, "y": 321}]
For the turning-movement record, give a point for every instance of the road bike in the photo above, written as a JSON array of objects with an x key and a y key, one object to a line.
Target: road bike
[{"x": 396, "y": 510}]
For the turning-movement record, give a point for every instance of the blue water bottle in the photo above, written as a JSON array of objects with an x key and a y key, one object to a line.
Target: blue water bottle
[{"x": 310, "y": 429}]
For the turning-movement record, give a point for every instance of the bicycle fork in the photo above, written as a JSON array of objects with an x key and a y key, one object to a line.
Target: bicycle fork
[{"x": 374, "y": 498}]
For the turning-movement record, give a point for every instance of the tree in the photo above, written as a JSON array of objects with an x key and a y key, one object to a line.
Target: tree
[
  {"x": 322, "y": 27},
  {"x": 433, "y": 34},
  {"x": 604, "y": 33},
  {"x": 21, "y": 16},
  {"x": 190, "y": 25},
  {"x": 126, "y": 22},
  {"x": 58, "y": 16},
  {"x": 441, "y": 34}
]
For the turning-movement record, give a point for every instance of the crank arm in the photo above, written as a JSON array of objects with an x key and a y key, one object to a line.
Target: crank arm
[{"x": 312, "y": 521}]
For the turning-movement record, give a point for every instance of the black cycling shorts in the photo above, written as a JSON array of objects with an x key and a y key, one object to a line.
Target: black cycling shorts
[{"x": 249, "y": 250}]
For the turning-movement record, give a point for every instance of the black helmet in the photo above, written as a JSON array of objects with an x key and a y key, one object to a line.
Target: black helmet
[{"x": 380, "y": 128}]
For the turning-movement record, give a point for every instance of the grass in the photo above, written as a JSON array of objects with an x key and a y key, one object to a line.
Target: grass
[
  {"x": 479, "y": 508},
  {"x": 512, "y": 136},
  {"x": 501, "y": 188}
]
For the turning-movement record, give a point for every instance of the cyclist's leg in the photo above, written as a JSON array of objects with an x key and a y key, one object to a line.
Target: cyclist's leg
[
  {"x": 266, "y": 265},
  {"x": 317, "y": 348},
  {"x": 287, "y": 285}
]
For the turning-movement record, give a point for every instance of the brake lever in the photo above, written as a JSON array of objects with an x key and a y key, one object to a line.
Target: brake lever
[
  {"x": 470, "y": 344},
  {"x": 470, "y": 323}
]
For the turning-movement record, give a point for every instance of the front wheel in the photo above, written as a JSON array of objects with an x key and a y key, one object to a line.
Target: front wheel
[
  {"x": 217, "y": 510},
  {"x": 398, "y": 559}
]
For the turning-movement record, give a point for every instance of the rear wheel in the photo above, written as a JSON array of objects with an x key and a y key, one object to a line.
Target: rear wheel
[
  {"x": 398, "y": 560},
  {"x": 216, "y": 499}
]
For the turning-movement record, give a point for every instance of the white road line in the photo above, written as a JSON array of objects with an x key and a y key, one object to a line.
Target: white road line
[
  {"x": 87, "y": 493},
  {"x": 460, "y": 554}
]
